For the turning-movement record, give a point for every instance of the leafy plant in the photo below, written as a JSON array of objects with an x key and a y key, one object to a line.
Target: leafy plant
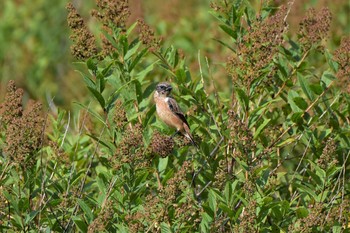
[{"x": 273, "y": 145}]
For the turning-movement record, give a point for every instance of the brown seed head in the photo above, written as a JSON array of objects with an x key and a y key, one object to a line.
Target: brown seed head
[
  {"x": 84, "y": 42},
  {"x": 342, "y": 56},
  {"x": 147, "y": 36},
  {"x": 314, "y": 27},
  {"x": 161, "y": 145}
]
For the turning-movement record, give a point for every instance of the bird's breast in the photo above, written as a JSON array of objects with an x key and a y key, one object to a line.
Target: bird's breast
[{"x": 166, "y": 115}]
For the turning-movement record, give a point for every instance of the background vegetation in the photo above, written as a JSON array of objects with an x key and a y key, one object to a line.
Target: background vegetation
[{"x": 264, "y": 85}]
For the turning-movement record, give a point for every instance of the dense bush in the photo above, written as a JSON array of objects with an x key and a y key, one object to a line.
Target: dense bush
[{"x": 273, "y": 141}]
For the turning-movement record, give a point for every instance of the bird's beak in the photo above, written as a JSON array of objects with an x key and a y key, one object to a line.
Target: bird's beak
[{"x": 169, "y": 88}]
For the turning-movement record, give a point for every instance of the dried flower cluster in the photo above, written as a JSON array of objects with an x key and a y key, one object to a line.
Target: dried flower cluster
[
  {"x": 218, "y": 7},
  {"x": 188, "y": 212},
  {"x": 132, "y": 138},
  {"x": 59, "y": 154},
  {"x": 12, "y": 108},
  {"x": 161, "y": 145},
  {"x": 221, "y": 224},
  {"x": 130, "y": 149},
  {"x": 158, "y": 206},
  {"x": 314, "y": 27},
  {"x": 134, "y": 222},
  {"x": 257, "y": 48},
  {"x": 112, "y": 14},
  {"x": 183, "y": 141},
  {"x": 153, "y": 210},
  {"x": 328, "y": 156},
  {"x": 314, "y": 218},
  {"x": 221, "y": 175},
  {"x": 3, "y": 205},
  {"x": 247, "y": 218},
  {"x": 147, "y": 36},
  {"x": 241, "y": 138},
  {"x": 84, "y": 42},
  {"x": 339, "y": 214},
  {"x": 67, "y": 197},
  {"x": 321, "y": 217},
  {"x": 119, "y": 118},
  {"x": 175, "y": 185},
  {"x": 23, "y": 128},
  {"x": 342, "y": 56},
  {"x": 104, "y": 217}
]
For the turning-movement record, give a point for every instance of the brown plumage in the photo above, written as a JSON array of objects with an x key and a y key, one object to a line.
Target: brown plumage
[{"x": 169, "y": 111}]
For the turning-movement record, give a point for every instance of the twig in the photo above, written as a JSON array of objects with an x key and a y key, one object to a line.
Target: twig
[{"x": 206, "y": 186}]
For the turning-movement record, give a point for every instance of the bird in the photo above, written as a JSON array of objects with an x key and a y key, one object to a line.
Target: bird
[{"x": 169, "y": 111}]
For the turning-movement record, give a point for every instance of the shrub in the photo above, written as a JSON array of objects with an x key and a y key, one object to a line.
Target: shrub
[{"x": 273, "y": 145}]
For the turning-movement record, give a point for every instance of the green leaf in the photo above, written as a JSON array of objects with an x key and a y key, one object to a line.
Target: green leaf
[
  {"x": 316, "y": 88},
  {"x": 138, "y": 89},
  {"x": 165, "y": 228},
  {"x": 212, "y": 201},
  {"x": 327, "y": 78},
  {"x": 81, "y": 225},
  {"x": 302, "y": 212},
  {"x": 89, "y": 82},
  {"x": 31, "y": 216},
  {"x": 261, "y": 128},
  {"x": 225, "y": 44},
  {"x": 99, "y": 141},
  {"x": 338, "y": 229},
  {"x": 163, "y": 163},
  {"x": 100, "y": 83},
  {"x": 101, "y": 184},
  {"x": 308, "y": 190},
  {"x": 297, "y": 117},
  {"x": 86, "y": 209},
  {"x": 110, "y": 102},
  {"x": 304, "y": 86},
  {"x": 227, "y": 210},
  {"x": 218, "y": 16},
  {"x": 91, "y": 65},
  {"x": 319, "y": 171},
  {"x": 149, "y": 115},
  {"x": 242, "y": 98},
  {"x": 256, "y": 113},
  {"x": 98, "y": 96},
  {"x": 300, "y": 102},
  {"x": 132, "y": 51},
  {"x": 332, "y": 64},
  {"x": 205, "y": 223},
  {"x": 137, "y": 59},
  {"x": 131, "y": 28},
  {"x": 110, "y": 38},
  {"x": 286, "y": 142},
  {"x": 315, "y": 178},
  {"x": 232, "y": 33},
  {"x": 140, "y": 76},
  {"x": 291, "y": 95}
]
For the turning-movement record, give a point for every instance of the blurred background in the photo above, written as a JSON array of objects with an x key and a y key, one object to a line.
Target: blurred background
[{"x": 34, "y": 39}]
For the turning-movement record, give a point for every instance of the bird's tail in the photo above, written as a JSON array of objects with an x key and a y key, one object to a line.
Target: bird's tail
[{"x": 188, "y": 135}]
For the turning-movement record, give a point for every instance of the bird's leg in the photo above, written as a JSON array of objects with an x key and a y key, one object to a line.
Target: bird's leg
[{"x": 177, "y": 131}]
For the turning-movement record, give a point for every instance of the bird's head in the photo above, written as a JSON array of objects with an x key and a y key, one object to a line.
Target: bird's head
[{"x": 163, "y": 89}]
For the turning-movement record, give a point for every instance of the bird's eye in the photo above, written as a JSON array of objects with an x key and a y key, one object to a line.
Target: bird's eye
[{"x": 161, "y": 87}]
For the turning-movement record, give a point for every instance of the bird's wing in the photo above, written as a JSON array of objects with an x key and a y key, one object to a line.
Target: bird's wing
[{"x": 174, "y": 107}]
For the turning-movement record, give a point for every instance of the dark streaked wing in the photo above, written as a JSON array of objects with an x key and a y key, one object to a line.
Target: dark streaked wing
[{"x": 174, "y": 107}]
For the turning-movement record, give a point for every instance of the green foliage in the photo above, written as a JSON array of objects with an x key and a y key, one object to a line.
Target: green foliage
[{"x": 273, "y": 145}]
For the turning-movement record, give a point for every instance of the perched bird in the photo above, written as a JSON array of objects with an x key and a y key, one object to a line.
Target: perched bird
[{"x": 169, "y": 111}]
